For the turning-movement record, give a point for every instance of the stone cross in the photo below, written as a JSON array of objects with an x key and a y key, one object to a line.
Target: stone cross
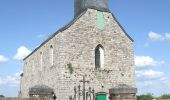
[{"x": 84, "y": 82}]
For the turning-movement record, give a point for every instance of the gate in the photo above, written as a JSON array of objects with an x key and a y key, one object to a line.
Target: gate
[
  {"x": 82, "y": 94},
  {"x": 89, "y": 94}
]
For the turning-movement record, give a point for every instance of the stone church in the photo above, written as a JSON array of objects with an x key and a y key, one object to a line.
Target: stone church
[{"x": 93, "y": 45}]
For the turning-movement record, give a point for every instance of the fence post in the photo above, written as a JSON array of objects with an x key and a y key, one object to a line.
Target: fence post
[{"x": 75, "y": 92}]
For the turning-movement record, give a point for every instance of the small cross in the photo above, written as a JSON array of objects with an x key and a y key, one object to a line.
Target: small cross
[{"x": 84, "y": 81}]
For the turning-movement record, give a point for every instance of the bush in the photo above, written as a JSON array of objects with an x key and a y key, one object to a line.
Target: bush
[
  {"x": 165, "y": 96},
  {"x": 70, "y": 67},
  {"x": 2, "y": 96},
  {"x": 145, "y": 97}
]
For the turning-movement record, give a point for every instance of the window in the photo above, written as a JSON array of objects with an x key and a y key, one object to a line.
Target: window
[
  {"x": 41, "y": 60},
  {"x": 52, "y": 55},
  {"x": 99, "y": 56},
  {"x": 33, "y": 65}
]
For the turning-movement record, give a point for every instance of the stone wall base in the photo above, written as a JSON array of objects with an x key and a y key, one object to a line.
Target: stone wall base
[
  {"x": 123, "y": 97},
  {"x": 123, "y": 92}
]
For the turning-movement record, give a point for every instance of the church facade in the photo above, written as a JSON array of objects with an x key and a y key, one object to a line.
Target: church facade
[{"x": 93, "y": 45}]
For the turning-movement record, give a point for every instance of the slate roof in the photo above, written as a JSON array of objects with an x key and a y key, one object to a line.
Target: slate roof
[
  {"x": 80, "y": 5},
  {"x": 72, "y": 22}
]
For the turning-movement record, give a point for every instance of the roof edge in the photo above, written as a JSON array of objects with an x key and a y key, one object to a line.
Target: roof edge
[
  {"x": 60, "y": 30},
  {"x": 72, "y": 22},
  {"x": 122, "y": 28}
]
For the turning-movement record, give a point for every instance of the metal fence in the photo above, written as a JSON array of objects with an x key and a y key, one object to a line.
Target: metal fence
[{"x": 82, "y": 94}]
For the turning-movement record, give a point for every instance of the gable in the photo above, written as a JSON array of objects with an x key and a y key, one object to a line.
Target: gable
[
  {"x": 70, "y": 24},
  {"x": 122, "y": 28}
]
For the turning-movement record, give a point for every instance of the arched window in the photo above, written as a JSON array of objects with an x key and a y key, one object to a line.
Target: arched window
[
  {"x": 52, "y": 55},
  {"x": 33, "y": 65},
  {"x": 99, "y": 56},
  {"x": 41, "y": 61}
]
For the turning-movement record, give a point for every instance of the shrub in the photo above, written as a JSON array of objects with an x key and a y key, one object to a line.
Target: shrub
[
  {"x": 165, "y": 96},
  {"x": 70, "y": 67},
  {"x": 2, "y": 96},
  {"x": 145, "y": 97}
]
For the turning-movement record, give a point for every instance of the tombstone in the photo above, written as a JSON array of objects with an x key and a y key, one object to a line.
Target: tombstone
[{"x": 123, "y": 92}]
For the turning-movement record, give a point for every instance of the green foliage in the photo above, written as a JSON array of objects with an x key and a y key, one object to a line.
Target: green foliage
[
  {"x": 145, "y": 97},
  {"x": 70, "y": 67},
  {"x": 165, "y": 96},
  {"x": 2, "y": 96},
  {"x": 150, "y": 97}
]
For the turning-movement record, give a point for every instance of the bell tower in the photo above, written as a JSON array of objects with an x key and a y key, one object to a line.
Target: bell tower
[{"x": 81, "y": 5}]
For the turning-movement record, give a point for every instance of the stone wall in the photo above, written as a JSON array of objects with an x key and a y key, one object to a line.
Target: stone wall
[
  {"x": 76, "y": 46},
  {"x": 16, "y": 98},
  {"x": 124, "y": 97}
]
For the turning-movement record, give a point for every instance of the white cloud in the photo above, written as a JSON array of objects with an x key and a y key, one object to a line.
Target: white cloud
[
  {"x": 146, "y": 61},
  {"x": 166, "y": 84},
  {"x": 22, "y": 52},
  {"x": 3, "y": 59},
  {"x": 155, "y": 36},
  {"x": 11, "y": 80},
  {"x": 167, "y": 35},
  {"x": 1, "y": 81},
  {"x": 163, "y": 79},
  {"x": 150, "y": 74},
  {"x": 153, "y": 86},
  {"x": 145, "y": 83},
  {"x": 158, "y": 37}
]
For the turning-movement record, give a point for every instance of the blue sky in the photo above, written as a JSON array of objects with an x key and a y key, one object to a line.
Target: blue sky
[{"x": 25, "y": 24}]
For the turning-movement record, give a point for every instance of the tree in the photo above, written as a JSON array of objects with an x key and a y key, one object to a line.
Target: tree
[
  {"x": 165, "y": 96},
  {"x": 2, "y": 96},
  {"x": 145, "y": 97}
]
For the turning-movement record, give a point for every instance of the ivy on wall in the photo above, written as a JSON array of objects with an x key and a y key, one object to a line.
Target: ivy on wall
[{"x": 70, "y": 67}]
